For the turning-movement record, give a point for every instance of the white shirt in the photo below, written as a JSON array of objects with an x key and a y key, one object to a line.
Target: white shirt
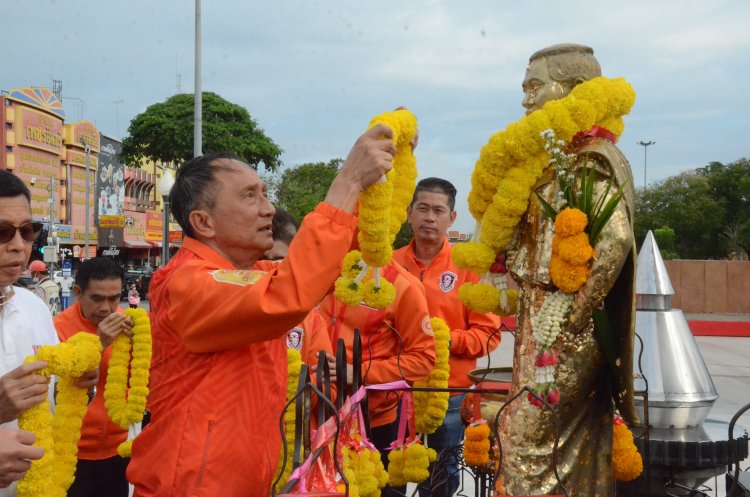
[
  {"x": 25, "y": 325},
  {"x": 66, "y": 284}
]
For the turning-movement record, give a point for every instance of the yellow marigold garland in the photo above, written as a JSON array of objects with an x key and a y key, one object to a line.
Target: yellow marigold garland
[
  {"x": 126, "y": 390},
  {"x": 571, "y": 251},
  {"x": 480, "y": 297},
  {"x": 477, "y": 444},
  {"x": 409, "y": 463},
  {"x": 512, "y": 161},
  {"x": 430, "y": 407},
  {"x": 626, "y": 460},
  {"x": 364, "y": 471},
  {"x": 294, "y": 367},
  {"x": 382, "y": 211},
  {"x": 52, "y": 475}
]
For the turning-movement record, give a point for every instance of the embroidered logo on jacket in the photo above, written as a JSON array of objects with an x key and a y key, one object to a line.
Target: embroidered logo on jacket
[
  {"x": 237, "y": 277},
  {"x": 448, "y": 281},
  {"x": 294, "y": 338}
]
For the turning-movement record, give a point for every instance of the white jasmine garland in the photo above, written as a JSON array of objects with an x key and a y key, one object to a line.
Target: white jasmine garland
[{"x": 549, "y": 320}]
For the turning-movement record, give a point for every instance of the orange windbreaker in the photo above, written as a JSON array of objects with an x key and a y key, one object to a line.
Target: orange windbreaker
[
  {"x": 380, "y": 345},
  {"x": 100, "y": 436},
  {"x": 218, "y": 374},
  {"x": 310, "y": 337},
  {"x": 469, "y": 330}
]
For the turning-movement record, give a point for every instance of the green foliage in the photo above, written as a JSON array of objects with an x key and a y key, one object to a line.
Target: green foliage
[
  {"x": 665, "y": 239},
  {"x": 404, "y": 236},
  {"x": 687, "y": 204},
  {"x": 164, "y": 131},
  {"x": 301, "y": 188}
]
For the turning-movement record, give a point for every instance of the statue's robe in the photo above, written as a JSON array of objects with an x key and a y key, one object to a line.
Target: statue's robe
[{"x": 585, "y": 379}]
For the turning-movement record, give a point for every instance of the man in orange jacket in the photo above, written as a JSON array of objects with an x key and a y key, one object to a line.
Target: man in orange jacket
[
  {"x": 218, "y": 371},
  {"x": 397, "y": 343},
  {"x": 100, "y": 470},
  {"x": 473, "y": 334}
]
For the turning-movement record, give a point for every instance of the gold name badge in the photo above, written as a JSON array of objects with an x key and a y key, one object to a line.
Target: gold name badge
[{"x": 237, "y": 277}]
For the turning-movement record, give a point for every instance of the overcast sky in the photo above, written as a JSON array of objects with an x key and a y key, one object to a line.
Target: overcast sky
[{"x": 313, "y": 73}]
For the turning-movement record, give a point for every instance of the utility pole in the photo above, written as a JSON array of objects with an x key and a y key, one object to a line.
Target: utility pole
[
  {"x": 645, "y": 158},
  {"x": 198, "y": 109},
  {"x": 50, "y": 250},
  {"x": 117, "y": 103}
]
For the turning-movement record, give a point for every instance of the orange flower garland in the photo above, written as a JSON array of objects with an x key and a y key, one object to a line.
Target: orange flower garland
[
  {"x": 626, "y": 460},
  {"x": 477, "y": 444},
  {"x": 571, "y": 251}
]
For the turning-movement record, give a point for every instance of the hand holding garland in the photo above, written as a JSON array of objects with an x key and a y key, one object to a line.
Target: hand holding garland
[
  {"x": 22, "y": 389},
  {"x": 16, "y": 453},
  {"x": 382, "y": 211},
  {"x": 52, "y": 475},
  {"x": 369, "y": 159}
]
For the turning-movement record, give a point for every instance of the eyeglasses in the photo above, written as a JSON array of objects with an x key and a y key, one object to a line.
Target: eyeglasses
[{"x": 29, "y": 231}]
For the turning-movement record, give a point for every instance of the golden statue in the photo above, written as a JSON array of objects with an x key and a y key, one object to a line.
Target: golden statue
[{"x": 586, "y": 381}]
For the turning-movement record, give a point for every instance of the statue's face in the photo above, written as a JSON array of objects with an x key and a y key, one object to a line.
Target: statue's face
[{"x": 539, "y": 88}]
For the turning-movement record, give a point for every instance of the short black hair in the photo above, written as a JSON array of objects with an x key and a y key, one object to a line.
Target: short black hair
[
  {"x": 284, "y": 226},
  {"x": 195, "y": 187},
  {"x": 98, "y": 268},
  {"x": 12, "y": 186},
  {"x": 437, "y": 185}
]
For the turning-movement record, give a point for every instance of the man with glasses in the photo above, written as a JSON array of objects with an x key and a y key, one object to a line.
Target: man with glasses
[{"x": 25, "y": 325}]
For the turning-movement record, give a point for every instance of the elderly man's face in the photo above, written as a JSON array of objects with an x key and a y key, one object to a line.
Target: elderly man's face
[
  {"x": 539, "y": 88},
  {"x": 242, "y": 215},
  {"x": 14, "y": 254}
]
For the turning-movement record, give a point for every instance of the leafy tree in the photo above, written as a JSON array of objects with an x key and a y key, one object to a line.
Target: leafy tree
[
  {"x": 686, "y": 204},
  {"x": 731, "y": 185},
  {"x": 404, "y": 236},
  {"x": 301, "y": 188},
  {"x": 164, "y": 131},
  {"x": 665, "y": 239}
]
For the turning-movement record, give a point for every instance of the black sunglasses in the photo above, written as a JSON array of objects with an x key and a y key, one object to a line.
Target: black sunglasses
[{"x": 29, "y": 231}]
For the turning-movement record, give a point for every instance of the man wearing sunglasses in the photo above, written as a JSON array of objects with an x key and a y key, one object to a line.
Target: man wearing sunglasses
[{"x": 25, "y": 325}]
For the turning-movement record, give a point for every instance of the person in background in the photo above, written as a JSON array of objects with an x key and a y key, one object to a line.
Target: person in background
[
  {"x": 45, "y": 288},
  {"x": 218, "y": 374},
  {"x": 25, "y": 325},
  {"x": 473, "y": 335},
  {"x": 100, "y": 470},
  {"x": 134, "y": 298},
  {"x": 66, "y": 285},
  {"x": 397, "y": 344}
]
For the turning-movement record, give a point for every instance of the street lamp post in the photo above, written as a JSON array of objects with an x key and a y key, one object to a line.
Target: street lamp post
[
  {"x": 645, "y": 158},
  {"x": 86, "y": 147},
  {"x": 198, "y": 99},
  {"x": 163, "y": 187}
]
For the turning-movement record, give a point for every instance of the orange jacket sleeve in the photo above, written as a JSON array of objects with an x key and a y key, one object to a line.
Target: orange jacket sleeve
[
  {"x": 212, "y": 315},
  {"x": 411, "y": 319},
  {"x": 472, "y": 342}
]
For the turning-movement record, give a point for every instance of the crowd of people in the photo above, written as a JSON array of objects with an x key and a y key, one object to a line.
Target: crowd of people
[{"x": 248, "y": 283}]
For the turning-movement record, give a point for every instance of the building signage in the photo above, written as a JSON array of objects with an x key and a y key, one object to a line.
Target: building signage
[
  {"x": 111, "y": 221},
  {"x": 39, "y": 130},
  {"x": 154, "y": 226},
  {"x": 110, "y": 181},
  {"x": 82, "y": 131}
]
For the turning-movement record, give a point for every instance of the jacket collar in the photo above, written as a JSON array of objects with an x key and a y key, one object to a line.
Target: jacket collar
[
  {"x": 206, "y": 253},
  {"x": 444, "y": 253}
]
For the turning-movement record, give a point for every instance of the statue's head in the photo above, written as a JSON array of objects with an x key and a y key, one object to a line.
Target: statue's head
[{"x": 555, "y": 70}]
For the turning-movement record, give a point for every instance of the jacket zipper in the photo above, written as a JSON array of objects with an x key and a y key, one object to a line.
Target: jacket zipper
[{"x": 202, "y": 470}]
